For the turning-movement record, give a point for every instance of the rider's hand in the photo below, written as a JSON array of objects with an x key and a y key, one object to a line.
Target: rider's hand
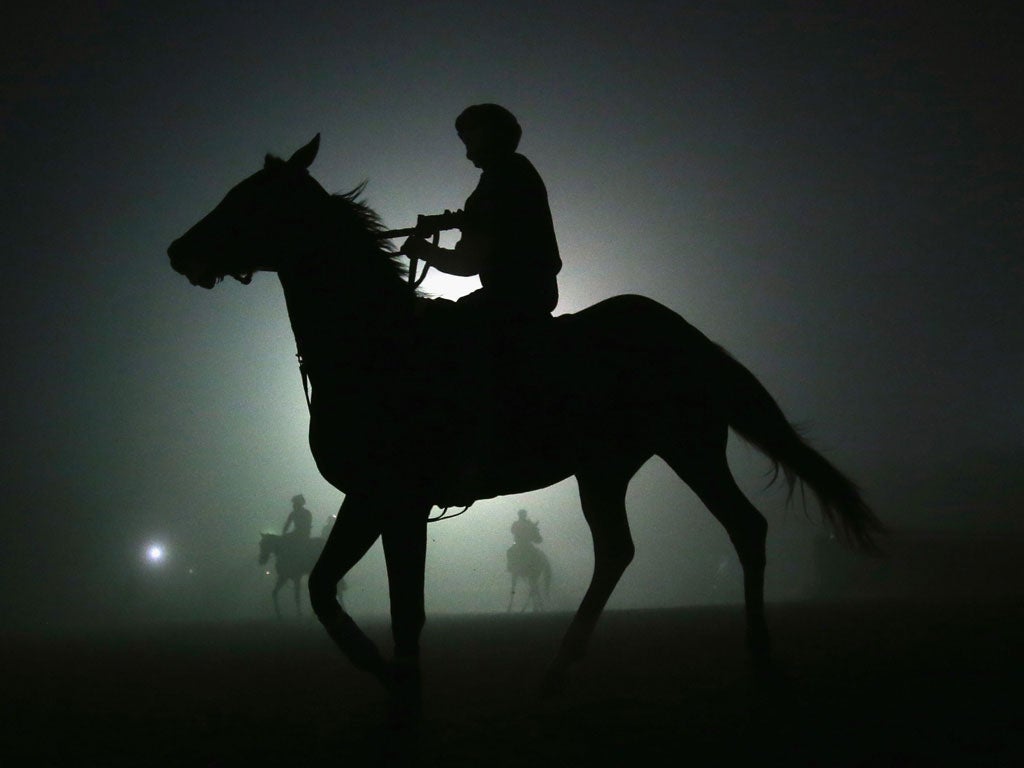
[{"x": 416, "y": 247}]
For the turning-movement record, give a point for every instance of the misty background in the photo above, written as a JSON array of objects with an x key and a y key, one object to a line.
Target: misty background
[{"x": 830, "y": 191}]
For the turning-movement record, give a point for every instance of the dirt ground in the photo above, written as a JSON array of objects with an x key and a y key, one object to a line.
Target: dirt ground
[{"x": 864, "y": 684}]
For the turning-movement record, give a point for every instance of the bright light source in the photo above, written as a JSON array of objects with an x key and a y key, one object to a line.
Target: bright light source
[{"x": 155, "y": 553}]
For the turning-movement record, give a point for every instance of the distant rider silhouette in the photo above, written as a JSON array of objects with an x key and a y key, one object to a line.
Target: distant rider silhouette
[
  {"x": 300, "y": 518},
  {"x": 525, "y": 531}
]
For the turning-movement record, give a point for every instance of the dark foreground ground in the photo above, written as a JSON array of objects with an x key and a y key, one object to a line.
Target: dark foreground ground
[{"x": 871, "y": 685}]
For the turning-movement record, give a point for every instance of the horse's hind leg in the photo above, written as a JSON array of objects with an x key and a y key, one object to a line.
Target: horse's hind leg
[
  {"x": 603, "y": 496},
  {"x": 704, "y": 467}
]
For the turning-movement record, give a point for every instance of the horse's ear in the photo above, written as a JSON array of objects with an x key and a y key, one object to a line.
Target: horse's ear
[{"x": 303, "y": 158}]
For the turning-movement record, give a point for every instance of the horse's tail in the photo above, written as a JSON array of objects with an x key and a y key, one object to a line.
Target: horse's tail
[{"x": 754, "y": 415}]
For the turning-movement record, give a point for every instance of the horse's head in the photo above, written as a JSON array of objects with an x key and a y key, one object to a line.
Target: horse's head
[
  {"x": 248, "y": 230},
  {"x": 266, "y": 547}
]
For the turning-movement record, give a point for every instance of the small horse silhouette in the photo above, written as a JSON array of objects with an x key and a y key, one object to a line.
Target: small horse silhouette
[
  {"x": 394, "y": 424},
  {"x": 527, "y": 561},
  {"x": 294, "y": 557}
]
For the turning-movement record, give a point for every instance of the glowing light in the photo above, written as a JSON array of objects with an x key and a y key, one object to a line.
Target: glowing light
[{"x": 155, "y": 553}]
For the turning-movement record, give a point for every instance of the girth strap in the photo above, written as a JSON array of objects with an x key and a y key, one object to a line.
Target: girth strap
[{"x": 305, "y": 380}]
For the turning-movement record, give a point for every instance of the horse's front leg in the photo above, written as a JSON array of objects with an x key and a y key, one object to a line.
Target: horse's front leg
[
  {"x": 357, "y": 527},
  {"x": 405, "y": 550},
  {"x": 277, "y": 588}
]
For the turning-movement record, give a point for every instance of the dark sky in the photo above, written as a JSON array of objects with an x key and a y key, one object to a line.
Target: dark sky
[{"x": 831, "y": 191}]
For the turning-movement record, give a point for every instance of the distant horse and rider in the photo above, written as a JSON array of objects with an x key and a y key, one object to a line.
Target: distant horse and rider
[
  {"x": 295, "y": 553},
  {"x": 405, "y": 397},
  {"x": 294, "y": 558},
  {"x": 524, "y": 560}
]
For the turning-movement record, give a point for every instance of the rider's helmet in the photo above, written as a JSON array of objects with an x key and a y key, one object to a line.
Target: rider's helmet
[{"x": 493, "y": 121}]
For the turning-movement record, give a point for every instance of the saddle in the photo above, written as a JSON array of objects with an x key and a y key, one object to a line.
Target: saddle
[{"x": 485, "y": 384}]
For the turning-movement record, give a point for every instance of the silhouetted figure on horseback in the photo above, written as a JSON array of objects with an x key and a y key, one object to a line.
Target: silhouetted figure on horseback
[
  {"x": 295, "y": 553},
  {"x": 294, "y": 557},
  {"x": 300, "y": 519},
  {"x": 508, "y": 241},
  {"x": 611, "y": 386},
  {"x": 508, "y": 238},
  {"x": 525, "y": 531},
  {"x": 524, "y": 560}
]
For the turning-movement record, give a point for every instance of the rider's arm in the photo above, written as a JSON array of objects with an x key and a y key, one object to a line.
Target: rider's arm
[
  {"x": 473, "y": 250},
  {"x": 465, "y": 260}
]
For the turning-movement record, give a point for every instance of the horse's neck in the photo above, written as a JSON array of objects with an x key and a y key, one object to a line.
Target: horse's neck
[{"x": 341, "y": 315}]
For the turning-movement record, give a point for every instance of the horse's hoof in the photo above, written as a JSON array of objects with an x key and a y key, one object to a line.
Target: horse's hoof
[
  {"x": 402, "y": 681},
  {"x": 404, "y": 711},
  {"x": 760, "y": 648}
]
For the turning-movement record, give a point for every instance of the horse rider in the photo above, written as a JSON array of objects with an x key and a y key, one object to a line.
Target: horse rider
[
  {"x": 508, "y": 241},
  {"x": 525, "y": 531},
  {"x": 300, "y": 518},
  {"x": 508, "y": 238}
]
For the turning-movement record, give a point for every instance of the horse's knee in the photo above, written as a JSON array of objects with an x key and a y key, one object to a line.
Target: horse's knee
[
  {"x": 617, "y": 557},
  {"x": 750, "y": 540},
  {"x": 323, "y": 593}
]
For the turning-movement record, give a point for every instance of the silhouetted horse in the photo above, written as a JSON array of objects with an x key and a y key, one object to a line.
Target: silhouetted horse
[
  {"x": 525, "y": 561},
  {"x": 294, "y": 557},
  {"x": 394, "y": 426}
]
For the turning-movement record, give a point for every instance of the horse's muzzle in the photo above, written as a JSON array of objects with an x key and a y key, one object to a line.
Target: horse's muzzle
[{"x": 180, "y": 265}]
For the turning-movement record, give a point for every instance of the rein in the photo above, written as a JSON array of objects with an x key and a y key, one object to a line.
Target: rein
[
  {"x": 426, "y": 226},
  {"x": 445, "y": 516},
  {"x": 414, "y": 282}
]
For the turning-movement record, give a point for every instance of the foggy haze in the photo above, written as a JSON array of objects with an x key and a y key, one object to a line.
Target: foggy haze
[{"x": 833, "y": 196}]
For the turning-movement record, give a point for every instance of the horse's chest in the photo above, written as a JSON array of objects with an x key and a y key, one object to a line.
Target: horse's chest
[{"x": 368, "y": 443}]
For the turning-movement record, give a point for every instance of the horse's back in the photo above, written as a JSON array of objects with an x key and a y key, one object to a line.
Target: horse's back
[
  {"x": 528, "y": 395},
  {"x": 631, "y": 320},
  {"x": 296, "y": 555}
]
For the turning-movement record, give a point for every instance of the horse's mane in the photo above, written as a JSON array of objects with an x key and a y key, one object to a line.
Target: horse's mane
[
  {"x": 360, "y": 227},
  {"x": 363, "y": 229}
]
